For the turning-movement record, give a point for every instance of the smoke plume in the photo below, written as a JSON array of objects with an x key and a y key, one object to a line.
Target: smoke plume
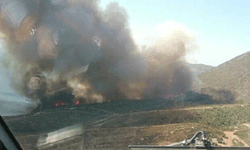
[
  {"x": 90, "y": 51},
  {"x": 167, "y": 72}
]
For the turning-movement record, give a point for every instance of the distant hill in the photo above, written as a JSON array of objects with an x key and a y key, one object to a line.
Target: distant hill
[
  {"x": 198, "y": 69},
  {"x": 232, "y": 76}
]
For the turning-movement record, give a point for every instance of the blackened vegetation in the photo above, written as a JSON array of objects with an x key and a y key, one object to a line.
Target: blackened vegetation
[
  {"x": 197, "y": 98},
  {"x": 64, "y": 96},
  {"x": 220, "y": 95},
  {"x": 213, "y": 97}
]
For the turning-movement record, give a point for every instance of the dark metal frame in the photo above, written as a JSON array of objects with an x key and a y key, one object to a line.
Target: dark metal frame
[{"x": 7, "y": 138}]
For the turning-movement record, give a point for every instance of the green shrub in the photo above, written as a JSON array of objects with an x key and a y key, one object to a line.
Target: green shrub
[{"x": 225, "y": 117}]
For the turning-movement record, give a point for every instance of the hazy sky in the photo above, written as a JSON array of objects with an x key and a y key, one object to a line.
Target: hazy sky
[{"x": 221, "y": 26}]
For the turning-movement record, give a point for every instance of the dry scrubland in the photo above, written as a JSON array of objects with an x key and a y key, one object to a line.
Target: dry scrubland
[
  {"x": 159, "y": 127},
  {"x": 120, "y": 138}
]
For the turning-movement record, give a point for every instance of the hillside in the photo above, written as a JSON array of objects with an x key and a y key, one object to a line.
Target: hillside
[
  {"x": 198, "y": 69},
  {"x": 232, "y": 76}
]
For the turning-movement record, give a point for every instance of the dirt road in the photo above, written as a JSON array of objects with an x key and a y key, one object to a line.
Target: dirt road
[{"x": 231, "y": 137}]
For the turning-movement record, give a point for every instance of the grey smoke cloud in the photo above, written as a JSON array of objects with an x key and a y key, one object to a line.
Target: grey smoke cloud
[{"x": 92, "y": 52}]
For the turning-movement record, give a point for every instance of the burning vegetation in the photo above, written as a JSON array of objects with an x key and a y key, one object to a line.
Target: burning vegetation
[{"x": 73, "y": 45}]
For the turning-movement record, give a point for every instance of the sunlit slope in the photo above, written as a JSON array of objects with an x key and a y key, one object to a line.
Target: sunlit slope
[
  {"x": 198, "y": 69},
  {"x": 232, "y": 75}
]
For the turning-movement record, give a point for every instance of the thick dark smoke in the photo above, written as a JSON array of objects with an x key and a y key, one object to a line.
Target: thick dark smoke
[{"x": 78, "y": 46}]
